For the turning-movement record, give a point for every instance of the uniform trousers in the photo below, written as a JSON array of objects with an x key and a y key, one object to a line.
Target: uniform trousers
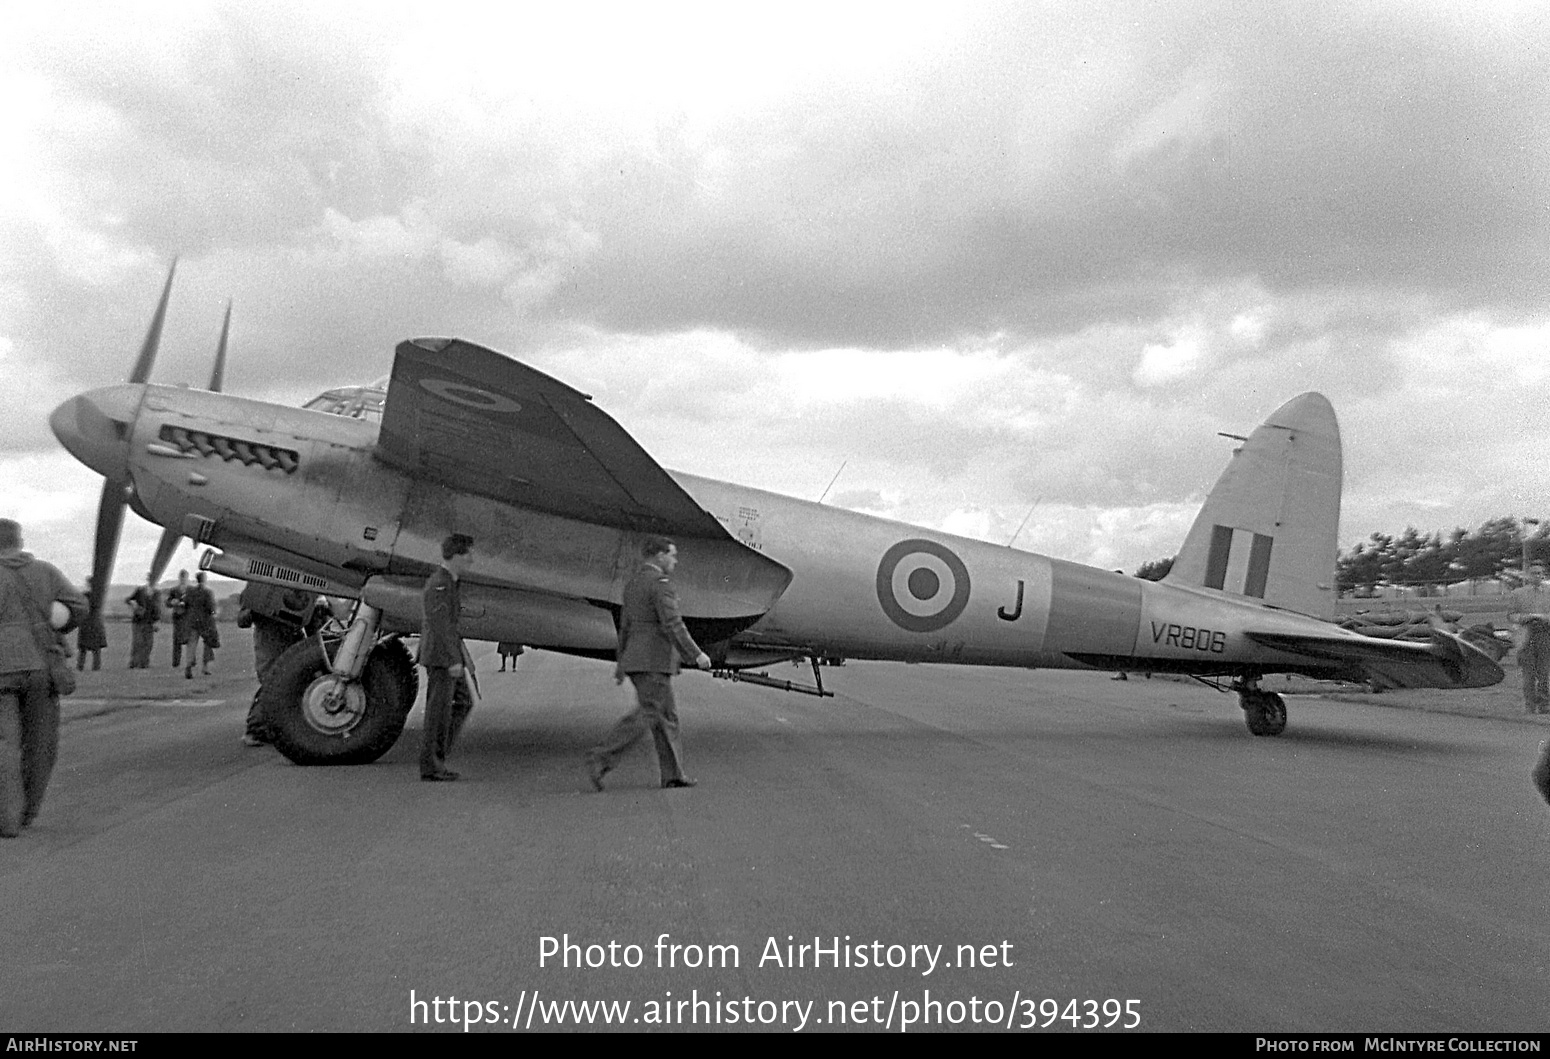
[
  {"x": 1536, "y": 681},
  {"x": 447, "y": 706},
  {"x": 271, "y": 639},
  {"x": 1541, "y": 773},
  {"x": 211, "y": 641},
  {"x": 143, "y": 638},
  {"x": 655, "y": 712},
  {"x": 29, "y": 744}
]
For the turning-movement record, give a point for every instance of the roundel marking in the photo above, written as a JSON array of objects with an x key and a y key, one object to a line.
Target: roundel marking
[
  {"x": 470, "y": 396},
  {"x": 921, "y": 585}
]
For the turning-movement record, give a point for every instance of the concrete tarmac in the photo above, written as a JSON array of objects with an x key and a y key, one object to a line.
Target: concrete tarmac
[{"x": 1010, "y": 841}]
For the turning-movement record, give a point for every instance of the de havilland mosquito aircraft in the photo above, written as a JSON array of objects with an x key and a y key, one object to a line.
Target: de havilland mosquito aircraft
[{"x": 351, "y": 496}]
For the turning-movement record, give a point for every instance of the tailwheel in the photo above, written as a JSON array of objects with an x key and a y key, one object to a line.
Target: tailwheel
[
  {"x": 318, "y": 717},
  {"x": 1264, "y": 711}
]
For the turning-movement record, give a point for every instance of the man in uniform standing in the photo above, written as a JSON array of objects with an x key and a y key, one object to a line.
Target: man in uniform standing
[
  {"x": 36, "y": 604},
  {"x": 1534, "y": 660},
  {"x": 652, "y": 637},
  {"x": 145, "y": 611},
  {"x": 447, "y": 699}
]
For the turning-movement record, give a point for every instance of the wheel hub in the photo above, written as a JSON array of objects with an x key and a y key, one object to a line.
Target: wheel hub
[{"x": 333, "y": 705}]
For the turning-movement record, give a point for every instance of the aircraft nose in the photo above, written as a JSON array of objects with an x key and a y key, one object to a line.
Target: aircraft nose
[{"x": 94, "y": 427}]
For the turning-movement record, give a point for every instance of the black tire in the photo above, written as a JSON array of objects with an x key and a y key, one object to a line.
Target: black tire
[
  {"x": 405, "y": 675},
  {"x": 1264, "y": 712},
  {"x": 1275, "y": 715},
  {"x": 368, "y": 724}
]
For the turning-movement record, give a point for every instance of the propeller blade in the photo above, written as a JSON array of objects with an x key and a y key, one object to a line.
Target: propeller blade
[
  {"x": 115, "y": 491},
  {"x": 147, "y": 358},
  {"x": 170, "y": 539},
  {"x": 110, "y": 521},
  {"x": 218, "y": 376}
]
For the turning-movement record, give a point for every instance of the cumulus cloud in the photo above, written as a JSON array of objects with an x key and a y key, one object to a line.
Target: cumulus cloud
[{"x": 1164, "y": 362}]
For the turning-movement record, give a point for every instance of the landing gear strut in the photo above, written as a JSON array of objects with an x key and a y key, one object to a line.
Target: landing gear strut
[
  {"x": 341, "y": 708},
  {"x": 1264, "y": 711}
]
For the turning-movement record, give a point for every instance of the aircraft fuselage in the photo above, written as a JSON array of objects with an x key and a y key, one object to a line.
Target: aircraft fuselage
[{"x": 304, "y": 489}]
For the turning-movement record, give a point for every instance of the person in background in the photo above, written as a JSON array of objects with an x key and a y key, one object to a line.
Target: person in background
[
  {"x": 144, "y": 612},
  {"x": 199, "y": 624},
  {"x": 506, "y": 649},
  {"x": 1534, "y": 660},
  {"x": 93, "y": 636},
  {"x": 279, "y": 617},
  {"x": 177, "y": 606}
]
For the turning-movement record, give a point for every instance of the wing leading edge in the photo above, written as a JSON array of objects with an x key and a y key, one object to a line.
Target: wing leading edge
[
  {"x": 1449, "y": 661},
  {"x": 480, "y": 422}
]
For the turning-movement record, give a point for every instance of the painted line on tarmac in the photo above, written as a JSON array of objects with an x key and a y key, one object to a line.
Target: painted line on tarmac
[{"x": 989, "y": 840}]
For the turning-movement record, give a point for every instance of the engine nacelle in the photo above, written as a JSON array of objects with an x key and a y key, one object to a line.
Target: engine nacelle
[{"x": 536, "y": 619}]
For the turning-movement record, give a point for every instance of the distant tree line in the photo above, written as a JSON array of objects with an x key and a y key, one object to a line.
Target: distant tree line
[{"x": 1414, "y": 558}]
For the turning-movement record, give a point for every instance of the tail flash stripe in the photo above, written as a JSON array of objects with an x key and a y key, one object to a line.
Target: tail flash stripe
[
  {"x": 1259, "y": 566},
  {"x": 1216, "y": 560}
]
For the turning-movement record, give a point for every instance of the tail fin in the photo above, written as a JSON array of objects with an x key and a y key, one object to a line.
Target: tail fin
[{"x": 1269, "y": 530}]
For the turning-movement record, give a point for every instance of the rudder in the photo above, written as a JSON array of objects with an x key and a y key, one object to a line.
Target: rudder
[{"x": 1270, "y": 528}]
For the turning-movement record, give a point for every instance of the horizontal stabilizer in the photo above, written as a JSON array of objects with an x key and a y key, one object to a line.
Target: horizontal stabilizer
[{"x": 1449, "y": 661}]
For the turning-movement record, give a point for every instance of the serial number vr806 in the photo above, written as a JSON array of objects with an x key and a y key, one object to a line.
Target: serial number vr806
[{"x": 1189, "y": 638}]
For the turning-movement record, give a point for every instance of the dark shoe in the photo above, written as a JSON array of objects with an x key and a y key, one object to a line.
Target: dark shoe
[
  {"x": 681, "y": 781},
  {"x": 188, "y": 674},
  {"x": 596, "y": 770},
  {"x": 444, "y": 776}
]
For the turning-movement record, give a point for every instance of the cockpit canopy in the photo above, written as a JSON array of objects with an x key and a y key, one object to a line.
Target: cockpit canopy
[{"x": 355, "y": 402}]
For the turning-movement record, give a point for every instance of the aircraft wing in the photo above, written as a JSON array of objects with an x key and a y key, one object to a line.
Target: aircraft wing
[
  {"x": 1449, "y": 661},
  {"x": 479, "y": 422}
]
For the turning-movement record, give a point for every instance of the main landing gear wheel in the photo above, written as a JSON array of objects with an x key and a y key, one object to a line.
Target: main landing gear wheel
[
  {"x": 319, "y": 718},
  {"x": 1264, "y": 711}
]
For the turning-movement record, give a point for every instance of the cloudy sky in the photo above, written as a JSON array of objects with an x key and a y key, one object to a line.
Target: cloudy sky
[{"x": 992, "y": 259}]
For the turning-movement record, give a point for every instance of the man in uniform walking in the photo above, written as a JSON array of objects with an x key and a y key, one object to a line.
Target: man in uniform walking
[
  {"x": 199, "y": 626},
  {"x": 652, "y": 637},
  {"x": 36, "y": 605},
  {"x": 447, "y": 699},
  {"x": 177, "y": 606}
]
